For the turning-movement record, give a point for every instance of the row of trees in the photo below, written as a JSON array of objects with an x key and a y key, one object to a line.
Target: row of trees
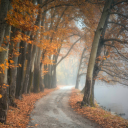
[
  {"x": 32, "y": 34},
  {"x": 108, "y": 57}
]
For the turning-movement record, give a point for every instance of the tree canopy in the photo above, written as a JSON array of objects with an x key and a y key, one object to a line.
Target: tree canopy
[{"x": 36, "y": 35}]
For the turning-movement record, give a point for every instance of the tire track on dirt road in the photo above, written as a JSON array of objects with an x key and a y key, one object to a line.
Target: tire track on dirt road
[{"x": 53, "y": 111}]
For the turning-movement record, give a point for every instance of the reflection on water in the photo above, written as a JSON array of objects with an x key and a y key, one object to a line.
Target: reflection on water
[{"x": 112, "y": 97}]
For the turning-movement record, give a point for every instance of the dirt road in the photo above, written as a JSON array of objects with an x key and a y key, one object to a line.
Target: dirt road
[{"x": 53, "y": 111}]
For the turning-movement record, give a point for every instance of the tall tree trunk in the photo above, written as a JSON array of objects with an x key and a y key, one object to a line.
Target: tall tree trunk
[
  {"x": 54, "y": 80},
  {"x": 3, "y": 77},
  {"x": 47, "y": 77},
  {"x": 30, "y": 84},
  {"x": 37, "y": 72},
  {"x": 5, "y": 30},
  {"x": 100, "y": 46},
  {"x": 4, "y": 6},
  {"x": 78, "y": 74},
  {"x": 12, "y": 72},
  {"x": 29, "y": 62},
  {"x": 89, "y": 92},
  {"x": 30, "y": 81},
  {"x": 20, "y": 71},
  {"x": 41, "y": 79},
  {"x": 36, "y": 80}
]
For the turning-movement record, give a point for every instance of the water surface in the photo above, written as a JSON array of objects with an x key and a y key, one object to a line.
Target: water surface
[{"x": 112, "y": 97}]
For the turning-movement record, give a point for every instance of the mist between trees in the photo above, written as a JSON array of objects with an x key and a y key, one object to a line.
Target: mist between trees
[{"x": 37, "y": 35}]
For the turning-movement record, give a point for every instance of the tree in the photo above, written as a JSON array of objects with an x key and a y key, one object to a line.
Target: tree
[
  {"x": 81, "y": 68},
  {"x": 4, "y": 40},
  {"x": 107, "y": 40},
  {"x": 89, "y": 94}
]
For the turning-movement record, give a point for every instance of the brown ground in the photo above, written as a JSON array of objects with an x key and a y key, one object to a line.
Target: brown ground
[
  {"x": 53, "y": 111},
  {"x": 19, "y": 117}
]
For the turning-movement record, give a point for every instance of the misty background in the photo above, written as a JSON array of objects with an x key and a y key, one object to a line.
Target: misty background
[{"x": 112, "y": 98}]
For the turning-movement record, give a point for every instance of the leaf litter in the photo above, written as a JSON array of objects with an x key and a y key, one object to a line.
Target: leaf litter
[
  {"x": 19, "y": 117},
  {"x": 104, "y": 118}
]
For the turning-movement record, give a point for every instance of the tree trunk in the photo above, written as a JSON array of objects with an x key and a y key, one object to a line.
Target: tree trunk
[
  {"x": 89, "y": 92},
  {"x": 29, "y": 62},
  {"x": 37, "y": 72},
  {"x": 3, "y": 77},
  {"x": 20, "y": 71},
  {"x": 47, "y": 78},
  {"x": 30, "y": 81},
  {"x": 4, "y": 4},
  {"x": 54, "y": 76},
  {"x": 12, "y": 72},
  {"x": 41, "y": 79},
  {"x": 36, "y": 80},
  {"x": 78, "y": 74},
  {"x": 77, "y": 82}
]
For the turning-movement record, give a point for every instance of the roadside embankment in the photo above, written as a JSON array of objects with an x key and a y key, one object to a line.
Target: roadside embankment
[
  {"x": 19, "y": 117},
  {"x": 96, "y": 114}
]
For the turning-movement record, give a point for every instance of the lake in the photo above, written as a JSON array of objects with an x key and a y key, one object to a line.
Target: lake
[{"x": 113, "y": 98}]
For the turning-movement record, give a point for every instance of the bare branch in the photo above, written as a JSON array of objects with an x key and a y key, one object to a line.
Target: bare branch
[
  {"x": 114, "y": 39},
  {"x": 119, "y": 24},
  {"x": 119, "y": 14},
  {"x": 68, "y": 51},
  {"x": 120, "y": 2}
]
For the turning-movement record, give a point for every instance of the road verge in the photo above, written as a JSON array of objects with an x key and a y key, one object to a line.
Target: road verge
[
  {"x": 19, "y": 117},
  {"x": 104, "y": 118}
]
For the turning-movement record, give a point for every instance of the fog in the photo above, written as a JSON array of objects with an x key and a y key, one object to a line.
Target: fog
[
  {"x": 67, "y": 71},
  {"x": 112, "y": 98}
]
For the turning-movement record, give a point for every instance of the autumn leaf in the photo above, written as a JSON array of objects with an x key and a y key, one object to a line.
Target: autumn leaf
[
  {"x": 0, "y": 96},
  {"x": 97, "y": 114},
  {"x": 18, "y": 117},
  {"x": 20, "y": 65},
  {"x": 36, "y": 124},
  {"x": 2, "y": 49},
  {"x": 11, "y": 61}
]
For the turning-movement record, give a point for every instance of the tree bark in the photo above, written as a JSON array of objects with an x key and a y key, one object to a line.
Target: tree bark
[
  {"x": 4, "y": 77},
  {"x": 37, "y": 72},
  {"x": 30, "y": 81},
  {"x": 29, "y": 62},
  {"x": 78, "y": 75},
  {"x": 20, "y": 71},
  {"x": 4, "y": 6},
  {"x": 41, "y": 79},
  {"x": 5, "y": 30},
  {"x": 12, "y": 72},
  {"x": 54, "y": 76},
  {"x": 88, "y": 93},
  {"x": 47, "y": 77}
]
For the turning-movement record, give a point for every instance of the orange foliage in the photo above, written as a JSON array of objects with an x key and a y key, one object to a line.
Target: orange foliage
[
  {"x": 96, "y": 114},
  {"x": 23, "y": 15}
]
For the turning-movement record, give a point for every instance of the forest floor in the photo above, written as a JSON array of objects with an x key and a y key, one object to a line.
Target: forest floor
[
  {"x": 54, "y": 111},
  {"x": 104, "y": 118},
  {"x": 19, "y": 117},
  {"x": 57, "y": 110}
]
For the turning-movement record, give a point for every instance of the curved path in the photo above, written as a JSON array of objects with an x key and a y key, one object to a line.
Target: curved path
[{"x": 53, "y": 111}]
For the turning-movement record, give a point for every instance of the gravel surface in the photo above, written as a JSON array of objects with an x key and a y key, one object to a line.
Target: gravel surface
[{"x": 53, "y": 111}]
